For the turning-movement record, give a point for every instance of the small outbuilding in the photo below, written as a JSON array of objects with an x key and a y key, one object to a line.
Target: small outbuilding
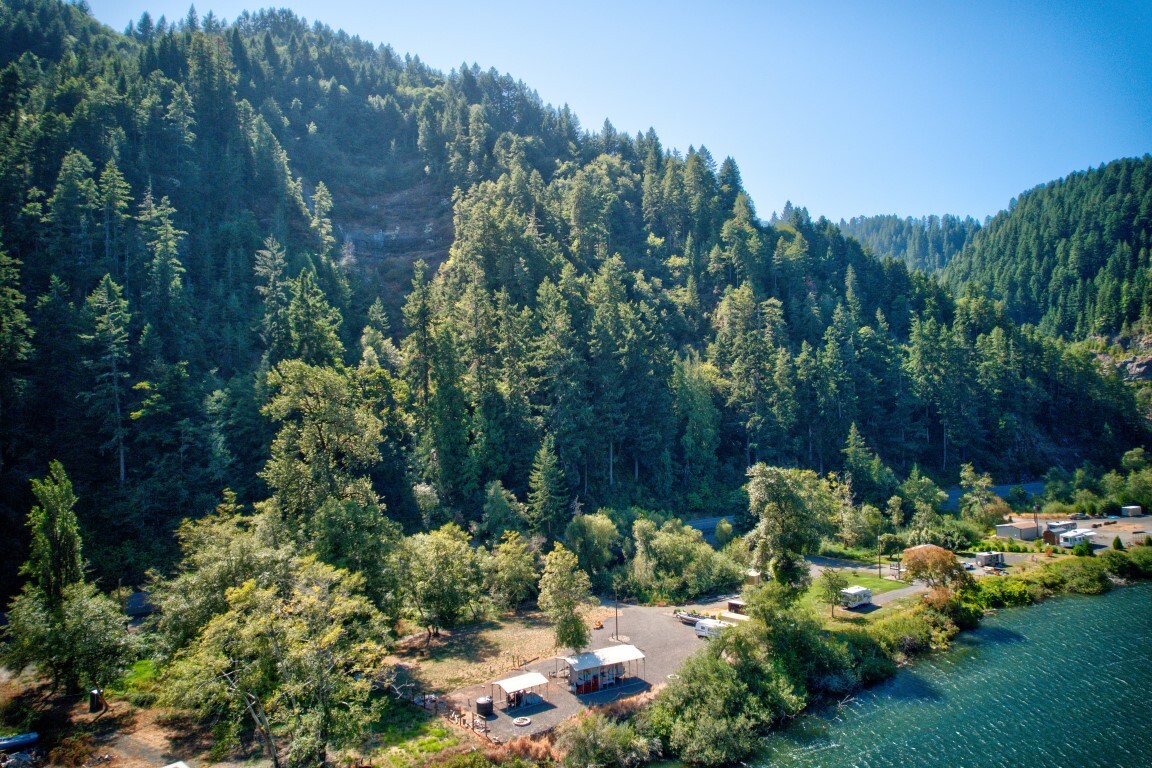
[
  {"x": 1132, "y": 510},
  {"x": 993, "y": 559},
  {"x": 851, "y": 597},
  {"x": 737, "y": 605},
  {"x": 1074, "y": 537},
  {"x": 591, "y": 671},
  {"x": 1020, "y": 531},
  {"x": 522, "y": 690}
]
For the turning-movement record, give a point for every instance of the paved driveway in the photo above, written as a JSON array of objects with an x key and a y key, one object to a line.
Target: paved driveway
[{"x": 665, "y": 641}]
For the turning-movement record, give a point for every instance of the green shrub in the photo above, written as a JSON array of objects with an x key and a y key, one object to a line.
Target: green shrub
[
  {"x": 1141, "y": 559},
  {"x": 1058, "y": 508},
  {"x": 1083, "y": 549},
  {"x": 705, "y": 717},
  {"x": 870, "y": 659},
  {"x": 1002, "y": 592},
  {"x": 598, "y": 740},
  {"x": 904, "y": 634},
  {"x": 1119, "y": 564},
  {"x": 1083, "y": 576}
]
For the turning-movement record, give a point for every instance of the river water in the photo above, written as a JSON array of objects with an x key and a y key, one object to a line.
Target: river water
[{"x": 1066, "y": 683}]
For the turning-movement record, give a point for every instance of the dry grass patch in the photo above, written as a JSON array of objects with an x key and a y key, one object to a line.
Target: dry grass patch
[{"x": 480, "y": 652}]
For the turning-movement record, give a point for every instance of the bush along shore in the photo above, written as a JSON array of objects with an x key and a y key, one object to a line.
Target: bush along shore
[{"x": 785, "y": 660}]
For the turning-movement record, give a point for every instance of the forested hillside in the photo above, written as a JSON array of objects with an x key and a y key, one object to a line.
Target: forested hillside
[
  {"x": 274, "y": 258},
  {"x": 1072, "y": 255},
  {"x": 927, "y": 243}
]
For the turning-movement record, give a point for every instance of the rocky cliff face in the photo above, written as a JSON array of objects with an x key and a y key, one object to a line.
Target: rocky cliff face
[{"x": 1135, "y": 361}]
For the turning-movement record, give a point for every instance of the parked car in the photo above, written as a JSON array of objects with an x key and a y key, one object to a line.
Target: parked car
[{"x": 1078, "y": 516}]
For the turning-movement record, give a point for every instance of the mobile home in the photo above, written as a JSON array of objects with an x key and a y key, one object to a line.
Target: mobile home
[{"x": 852, "y": 597}]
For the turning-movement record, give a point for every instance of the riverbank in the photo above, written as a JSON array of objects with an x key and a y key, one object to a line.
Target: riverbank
[
  {"x": 761, "y": 677},
  {"x": 1063, "y": 683}
]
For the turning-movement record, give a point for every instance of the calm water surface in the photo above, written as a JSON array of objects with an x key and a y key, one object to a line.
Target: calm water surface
[{"x": 1067, "y": 683}]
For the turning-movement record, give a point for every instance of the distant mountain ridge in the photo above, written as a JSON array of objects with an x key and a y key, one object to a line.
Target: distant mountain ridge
[
  {"x": 1071, "y": 255},
  {"x": 927, "y": 243}
]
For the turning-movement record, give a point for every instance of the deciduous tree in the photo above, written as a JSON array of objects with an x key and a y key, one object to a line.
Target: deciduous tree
[{"x": 565, "y": 591}]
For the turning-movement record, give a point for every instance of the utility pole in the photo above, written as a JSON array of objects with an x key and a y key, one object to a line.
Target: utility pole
[
  {"x": 616, "y": 600},
  {"x": 879, "y": 567}
]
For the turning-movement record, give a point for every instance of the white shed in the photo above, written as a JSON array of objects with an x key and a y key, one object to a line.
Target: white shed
[
  {"x": 1132, "y": 510},
  {"x": 522, "y": 690}
]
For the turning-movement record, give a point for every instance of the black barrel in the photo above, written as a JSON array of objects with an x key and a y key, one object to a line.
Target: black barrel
[{"x": 484, "y": 706}]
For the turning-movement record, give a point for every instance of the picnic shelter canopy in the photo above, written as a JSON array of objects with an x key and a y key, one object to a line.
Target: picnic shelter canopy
[{"x": 524, "y": 682}]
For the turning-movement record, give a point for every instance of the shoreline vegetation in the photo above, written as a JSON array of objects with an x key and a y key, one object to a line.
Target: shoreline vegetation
[
  {"x": 760, "y": 675},
  {"x": 251, "y": 628}
]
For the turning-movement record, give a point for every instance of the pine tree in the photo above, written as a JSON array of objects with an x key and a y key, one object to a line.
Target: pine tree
[
  {"x": 274, "y": 287},
  {"x": 547, "y": 495},
  {"x": 15, "y": 340},
  {"x": 313, "y": 324},
  {"x": 107, "y": 319},
  {"x": 115, "y": 200}
]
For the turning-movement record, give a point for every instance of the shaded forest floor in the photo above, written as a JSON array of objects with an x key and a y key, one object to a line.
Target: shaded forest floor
[{"x": 129, "y": 736}]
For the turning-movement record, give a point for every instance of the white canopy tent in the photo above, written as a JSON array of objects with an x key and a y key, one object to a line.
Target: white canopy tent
[{"x": 523, "y": 689}]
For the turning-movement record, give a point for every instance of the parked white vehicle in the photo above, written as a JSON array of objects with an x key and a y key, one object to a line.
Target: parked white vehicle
[{"x": 710, "y": 627}]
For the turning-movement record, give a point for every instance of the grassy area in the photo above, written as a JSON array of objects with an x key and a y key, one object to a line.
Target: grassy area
[
  {"x": 811, "y": 598},
  {"x": 139, "y": 685},
  {"x": 841, "y": 552},
  {"x": 406, "y": 736}
]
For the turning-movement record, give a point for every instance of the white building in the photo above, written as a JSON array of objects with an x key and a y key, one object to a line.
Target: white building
[{"x": 1132, "y": 510}]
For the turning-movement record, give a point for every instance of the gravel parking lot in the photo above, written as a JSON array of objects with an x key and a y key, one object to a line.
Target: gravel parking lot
[{"x": 665, "y": 641}]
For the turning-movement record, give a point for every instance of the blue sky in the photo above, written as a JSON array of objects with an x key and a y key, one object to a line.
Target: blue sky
[{"x": 847, "y": 108}]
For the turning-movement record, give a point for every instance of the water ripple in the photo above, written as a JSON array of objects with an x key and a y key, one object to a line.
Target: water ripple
[{"x": 1065, "y": 683}]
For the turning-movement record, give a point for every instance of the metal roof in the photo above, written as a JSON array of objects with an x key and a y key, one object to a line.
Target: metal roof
[
  {"x": 616, "y": 654},
  {"x": 855, "y": 590},
  {"x": 522, "y": 682}
]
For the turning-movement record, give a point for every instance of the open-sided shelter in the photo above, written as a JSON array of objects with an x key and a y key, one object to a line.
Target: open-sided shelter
[
  {"x": 591, "y": 671},
  {"x": 521, "y": 690}
]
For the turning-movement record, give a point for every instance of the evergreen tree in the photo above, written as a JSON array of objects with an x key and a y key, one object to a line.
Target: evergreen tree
[
  {"x": 106, "y": 340},
  {"x": 15, "y": 341},
  {"x": 548, "y": 496},
  {"x": 313, "y": 324}
]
